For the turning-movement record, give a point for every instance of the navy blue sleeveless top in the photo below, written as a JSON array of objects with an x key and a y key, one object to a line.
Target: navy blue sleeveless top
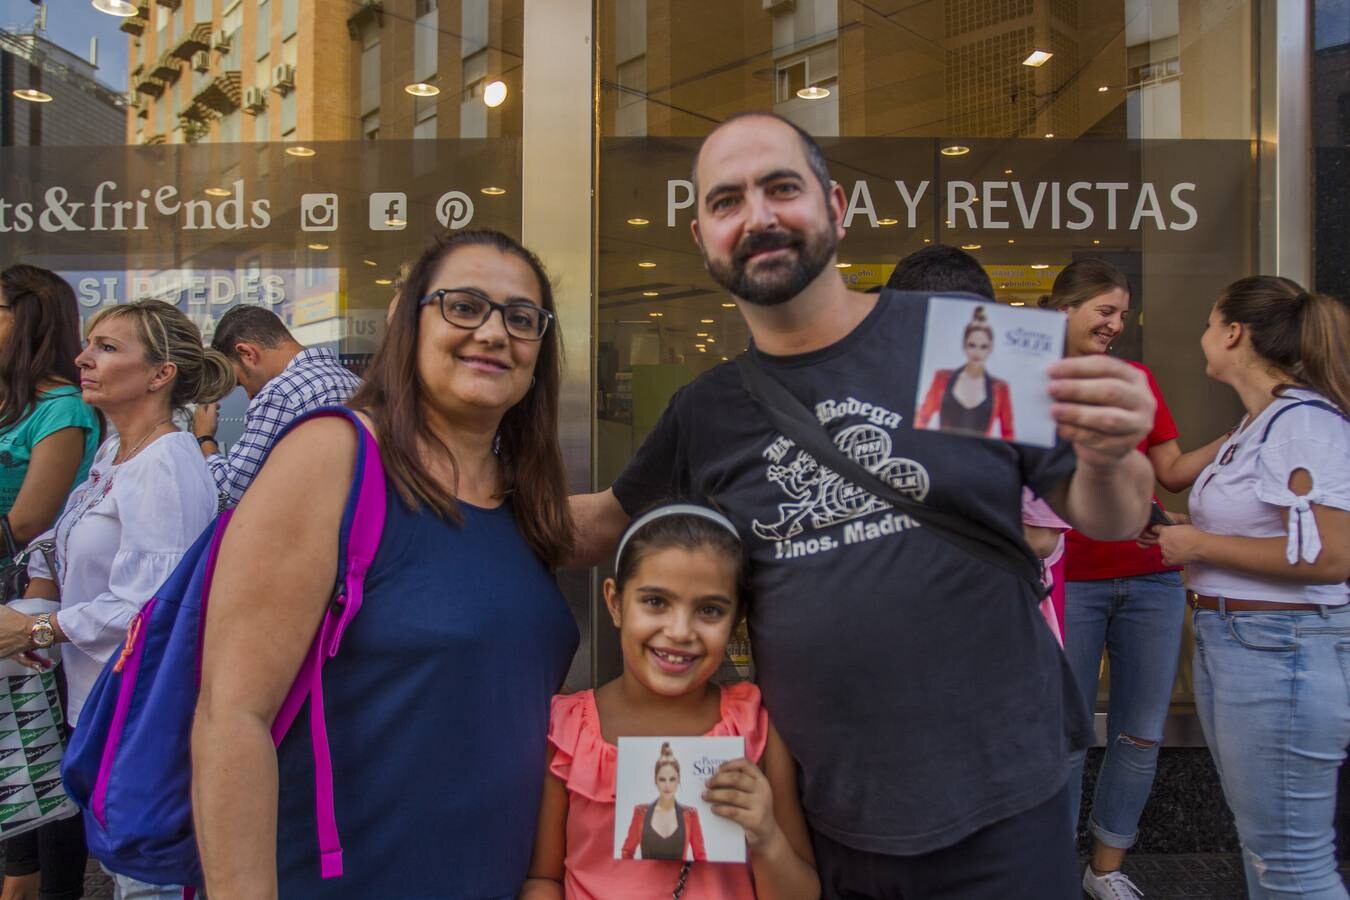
[{"x": 437, "y": 709}]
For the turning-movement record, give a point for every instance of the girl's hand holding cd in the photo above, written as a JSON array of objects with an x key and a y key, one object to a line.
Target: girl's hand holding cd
[{"x": 740, "y": 792}]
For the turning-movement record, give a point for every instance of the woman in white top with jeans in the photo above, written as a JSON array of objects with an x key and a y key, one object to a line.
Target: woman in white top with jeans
[
  {"x": 147, "y": 498},
  {"x": 1267, "y": 556}
]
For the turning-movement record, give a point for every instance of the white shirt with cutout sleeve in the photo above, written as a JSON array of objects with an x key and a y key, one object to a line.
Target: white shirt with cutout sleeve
[{"x": 1245, "y": 492}]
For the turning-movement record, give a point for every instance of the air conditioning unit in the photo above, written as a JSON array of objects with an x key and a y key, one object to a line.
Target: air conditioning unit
[
  {"x": 221, "y": 40},
  {"x": 201, "y": 61},
  {"x": 283, "y": 79},
  {"x": 255, "y": 99}
]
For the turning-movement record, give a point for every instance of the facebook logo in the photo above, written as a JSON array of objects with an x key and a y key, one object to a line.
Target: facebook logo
[{"x": 388, "y": 211}]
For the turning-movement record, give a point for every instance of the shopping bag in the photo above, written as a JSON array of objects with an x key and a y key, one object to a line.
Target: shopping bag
[{"x": 32, "y": 743}]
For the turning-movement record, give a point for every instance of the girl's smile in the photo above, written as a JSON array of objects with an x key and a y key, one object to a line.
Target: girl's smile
[{"x": 674, "y": 616}]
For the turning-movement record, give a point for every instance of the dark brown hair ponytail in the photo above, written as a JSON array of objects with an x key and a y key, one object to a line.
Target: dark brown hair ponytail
[{"x": 1301, "y": 334}]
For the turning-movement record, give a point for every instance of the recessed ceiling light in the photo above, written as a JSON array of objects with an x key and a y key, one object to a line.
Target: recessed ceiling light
[
  {"x": 1040, "y": 265},
  {"x": 949, "y": 223},
  {"x": 421, "y": 89},
  {"x": 1018, "y": 303},
  {"x": 884, "y": 222},
  {"x": 1007, "y": 171},
  {"x": 707, "y": 321},
  {"x": 843, "y": 265},
  {"x": 494, "y": 94},
  {"x": 384, "y": 281},
  {"x": 954, "y": 150},
  {"x": 370, "y": 262},
  {"x": 1095, "y": 241},
  {"x": 814, "y": 92},
  {"x": 216, "y": 192},
  {"x": 638, "y": 220},
  {"x": 1049, "y": 134},
  {"x": 1011, "y": 241},
  {"x": 728, "y": 305},
  {"x": 700, "y": 348},
  {"x": 492, "y": 190},
  {"x": 318, "y": 246},
  {"x": 651, "y": 293},
  {"x": 301, "y": 151},
  {"x": 1102, "y": 89},
  {"x": 1037, "y": 58},
  {"x": 646, "y": 264},
  {"x": 32, "y": 95},
  {"x": 724, "y": 359},
  {"x": 970, "y": 246},
  {"x": 928, "y": 240},
  {"x": 656, "y": 315},
  {"x": 701, "y": 334},
  {"x": 711, "y": 340},
  {"x": 120, "y": 8}
]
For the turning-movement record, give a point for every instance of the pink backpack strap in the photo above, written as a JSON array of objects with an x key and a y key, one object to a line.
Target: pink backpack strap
[{"x": 362, "y": 526}]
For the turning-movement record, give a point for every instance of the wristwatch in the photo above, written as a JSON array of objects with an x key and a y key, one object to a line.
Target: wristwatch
[
  {"x": 203, "y": 439},
  {"x": 42, "y": 635}
]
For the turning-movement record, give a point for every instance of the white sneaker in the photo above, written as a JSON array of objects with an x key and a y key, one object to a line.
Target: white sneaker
[{"x": 1111, "y": 886}]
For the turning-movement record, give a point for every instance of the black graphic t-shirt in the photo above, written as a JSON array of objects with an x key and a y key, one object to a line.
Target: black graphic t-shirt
[{"x": 918, "y": 688}]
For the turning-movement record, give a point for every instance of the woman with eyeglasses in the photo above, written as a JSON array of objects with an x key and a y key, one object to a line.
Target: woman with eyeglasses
[
  {"x": 438, "y": 702},
  {"x": 48, "y": 437},
  {"x": 1267, "y": 556}
]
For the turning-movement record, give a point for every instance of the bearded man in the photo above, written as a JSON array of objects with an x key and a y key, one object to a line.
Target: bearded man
[{"x": 925, "y": 701}]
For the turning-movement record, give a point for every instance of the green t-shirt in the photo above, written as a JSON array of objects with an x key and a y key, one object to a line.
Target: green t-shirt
[{"x": 58, "y": 408}]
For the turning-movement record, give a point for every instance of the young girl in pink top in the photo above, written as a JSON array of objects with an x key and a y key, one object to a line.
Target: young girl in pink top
[{"x": 678, "y": 589}]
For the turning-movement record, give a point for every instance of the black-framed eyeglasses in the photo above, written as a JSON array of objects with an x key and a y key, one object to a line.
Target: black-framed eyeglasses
[{"x": 468, "y": 308}]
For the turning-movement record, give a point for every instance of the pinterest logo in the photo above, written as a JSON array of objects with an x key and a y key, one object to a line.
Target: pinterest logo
[{"x": 454, "y": 209}]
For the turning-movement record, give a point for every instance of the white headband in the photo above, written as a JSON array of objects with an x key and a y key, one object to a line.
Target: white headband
[{"x": 674, "y": 509}]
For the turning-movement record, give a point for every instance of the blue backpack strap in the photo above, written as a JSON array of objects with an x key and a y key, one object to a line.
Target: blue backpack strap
[{"x": 1318, "y": 404}]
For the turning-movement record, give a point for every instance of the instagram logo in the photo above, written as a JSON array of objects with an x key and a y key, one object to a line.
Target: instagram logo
[
  {"x": 454, "y": 209},
  {"x": 318, "y": 212}
]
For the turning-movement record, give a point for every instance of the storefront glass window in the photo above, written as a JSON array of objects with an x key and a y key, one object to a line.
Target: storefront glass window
[{"x": 1131, "y": 137}]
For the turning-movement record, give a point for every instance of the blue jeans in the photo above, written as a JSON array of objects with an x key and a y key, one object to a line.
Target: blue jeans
[
  {"x": 1138, "y": 620},
  {"x": 1273, "y": 694}
]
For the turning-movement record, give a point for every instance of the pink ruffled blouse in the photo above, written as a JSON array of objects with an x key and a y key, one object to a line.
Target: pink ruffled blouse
[{"x": 587, "y": 764}]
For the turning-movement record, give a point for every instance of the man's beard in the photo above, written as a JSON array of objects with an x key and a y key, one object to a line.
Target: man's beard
[{"x": 778, "y": 282}]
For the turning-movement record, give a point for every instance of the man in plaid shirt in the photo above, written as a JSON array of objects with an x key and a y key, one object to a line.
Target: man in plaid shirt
[{"x": 283, "y": 380}]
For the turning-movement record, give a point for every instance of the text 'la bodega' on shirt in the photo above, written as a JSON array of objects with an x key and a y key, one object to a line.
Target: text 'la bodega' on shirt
[{"x": 916, "y": 686}]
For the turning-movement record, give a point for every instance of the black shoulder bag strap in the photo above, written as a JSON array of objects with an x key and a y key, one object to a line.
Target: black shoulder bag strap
[{"x": 790, "y": 416}]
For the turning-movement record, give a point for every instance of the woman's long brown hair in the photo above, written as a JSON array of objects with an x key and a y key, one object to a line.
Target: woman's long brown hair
[
  {"x": 1300, "y": 333},
  {"x": 44, "y": 341},
  {"x": 394, "y": 397}
]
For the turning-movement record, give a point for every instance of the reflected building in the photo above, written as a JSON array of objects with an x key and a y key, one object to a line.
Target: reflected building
[
  {"x": 311, "y": 70},
  {"x": 90, "y": 112}
]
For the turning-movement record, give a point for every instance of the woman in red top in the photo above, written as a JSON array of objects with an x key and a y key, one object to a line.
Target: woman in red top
[
  {"x": 664, "y": 829},
  {"x": 969, "y": 398},
  {"x": 1122, "y": 598}
]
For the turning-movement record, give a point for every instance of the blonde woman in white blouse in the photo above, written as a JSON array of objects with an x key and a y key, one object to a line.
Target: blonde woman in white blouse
[
  {"x": 1267, "y": 555},
  {"x": 148, "y": 496}
]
